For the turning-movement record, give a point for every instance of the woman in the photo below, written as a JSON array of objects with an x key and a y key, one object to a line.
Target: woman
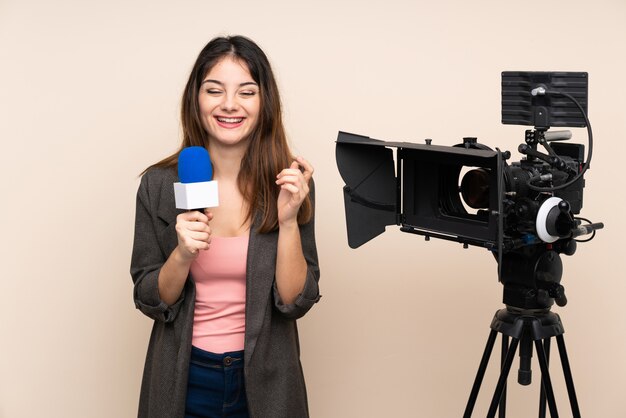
[{"x": 225, "y": 287}]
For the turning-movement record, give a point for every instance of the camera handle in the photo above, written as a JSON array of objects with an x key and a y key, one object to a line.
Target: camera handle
[{"x": 540, "y": 137}]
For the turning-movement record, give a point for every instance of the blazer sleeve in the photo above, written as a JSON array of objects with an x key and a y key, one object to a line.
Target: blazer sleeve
[
  {"x": 310, "y": 293},
  {"x": 148, "y": 257}
]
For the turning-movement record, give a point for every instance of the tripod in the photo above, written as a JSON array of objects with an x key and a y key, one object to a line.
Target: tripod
[{"x": 524, "y": 328}]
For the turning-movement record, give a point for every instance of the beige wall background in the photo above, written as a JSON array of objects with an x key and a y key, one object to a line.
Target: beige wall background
[{"x": 89, "y": 96}]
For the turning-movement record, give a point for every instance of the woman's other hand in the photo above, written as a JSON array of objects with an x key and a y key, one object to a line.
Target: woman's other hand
[{"x": 294, "y": 187}]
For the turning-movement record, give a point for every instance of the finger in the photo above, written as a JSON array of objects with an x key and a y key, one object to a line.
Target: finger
[
  {"x": 297, "y": 181},
  {"x": 293, "y": 179},
  {"x": 308, "y": 168},
  {"x": 192, "y": 247},
  {"x": 197, "y": 226},
  {"x": 195, "y": 242},
  {"x": 196, "y": 251},
  {"x": 193, "y": 216},
  {"x": 198, "y": 216},
  {"x": 293, "y": 169},
  {"x": 290, "y": 188},
  {"x": 289, "y": 172},
  {"x": 200, "y": 236},
  {"x": 201, "y": 216}
]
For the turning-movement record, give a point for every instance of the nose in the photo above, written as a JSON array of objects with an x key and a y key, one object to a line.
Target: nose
[{"x": 229, "y": 103}]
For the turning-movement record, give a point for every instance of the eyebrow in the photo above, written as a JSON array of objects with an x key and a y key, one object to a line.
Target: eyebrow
[{"x": 247, "y": 83}]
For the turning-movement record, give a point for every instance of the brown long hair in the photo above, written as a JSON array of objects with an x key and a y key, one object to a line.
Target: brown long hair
[{"x": 267, "y": 152}]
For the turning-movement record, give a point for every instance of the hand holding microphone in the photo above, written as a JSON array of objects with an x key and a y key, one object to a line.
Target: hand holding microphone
[
  {"x": 194, "y": 233},
  {"x": 195, "y": 192}
]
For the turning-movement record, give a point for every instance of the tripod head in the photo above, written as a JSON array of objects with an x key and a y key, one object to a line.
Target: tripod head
[{"x": 531, "y": 277}]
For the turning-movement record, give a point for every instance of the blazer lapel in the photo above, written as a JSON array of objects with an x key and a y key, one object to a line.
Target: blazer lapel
[
  {"x": 260, "y": 268},
  {"x": 167, "y": 213}
]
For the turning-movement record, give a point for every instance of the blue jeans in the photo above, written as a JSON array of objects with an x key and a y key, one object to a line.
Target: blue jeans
[{"x": 216, "y": 387}]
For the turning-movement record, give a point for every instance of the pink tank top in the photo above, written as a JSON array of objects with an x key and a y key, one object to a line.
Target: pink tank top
[{"x": 219, "y": 273}]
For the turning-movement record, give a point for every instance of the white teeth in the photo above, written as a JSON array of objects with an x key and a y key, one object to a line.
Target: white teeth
[{"x": 230, "y": 120}]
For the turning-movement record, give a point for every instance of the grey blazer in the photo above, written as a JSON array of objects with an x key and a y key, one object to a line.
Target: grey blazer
[{"x": 274, "y": 381}]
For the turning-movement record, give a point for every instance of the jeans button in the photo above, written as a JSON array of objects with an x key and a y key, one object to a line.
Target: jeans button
[{"x": 228, "y": 361}]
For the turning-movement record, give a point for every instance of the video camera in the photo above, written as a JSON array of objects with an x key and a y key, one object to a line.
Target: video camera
[{"x": 523, "y": 212}]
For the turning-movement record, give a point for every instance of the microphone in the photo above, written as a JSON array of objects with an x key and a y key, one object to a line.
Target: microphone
[{"x": 196, "y": 190}]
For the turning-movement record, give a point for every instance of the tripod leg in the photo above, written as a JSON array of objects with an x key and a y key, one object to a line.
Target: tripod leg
[
  {"x": 505, "y": 349},
  {"x": 545, "y": 378},
  {"x": 480, "y": 374},
  {"x": 504, "y": 373},
  {"x": 567, "y": 372},
  {"x": 542, "y": 395}
]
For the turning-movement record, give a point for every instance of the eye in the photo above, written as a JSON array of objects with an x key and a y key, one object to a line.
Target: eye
[
  {"x": 248, "y": 93},
  {"x": 213, "y": 92}
]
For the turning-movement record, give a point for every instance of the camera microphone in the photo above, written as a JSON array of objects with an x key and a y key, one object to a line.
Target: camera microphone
[{"x": 196, "y": 189}]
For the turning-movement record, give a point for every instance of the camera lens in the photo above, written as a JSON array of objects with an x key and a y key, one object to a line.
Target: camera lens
[{"x": 475, "y": 188}]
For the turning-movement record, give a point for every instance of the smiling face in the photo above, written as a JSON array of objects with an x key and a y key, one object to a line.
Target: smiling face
[{"x": 229, "y": 102}]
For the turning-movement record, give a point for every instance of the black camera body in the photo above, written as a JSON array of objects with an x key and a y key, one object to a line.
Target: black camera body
[{"x": 523, "y": 212}]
